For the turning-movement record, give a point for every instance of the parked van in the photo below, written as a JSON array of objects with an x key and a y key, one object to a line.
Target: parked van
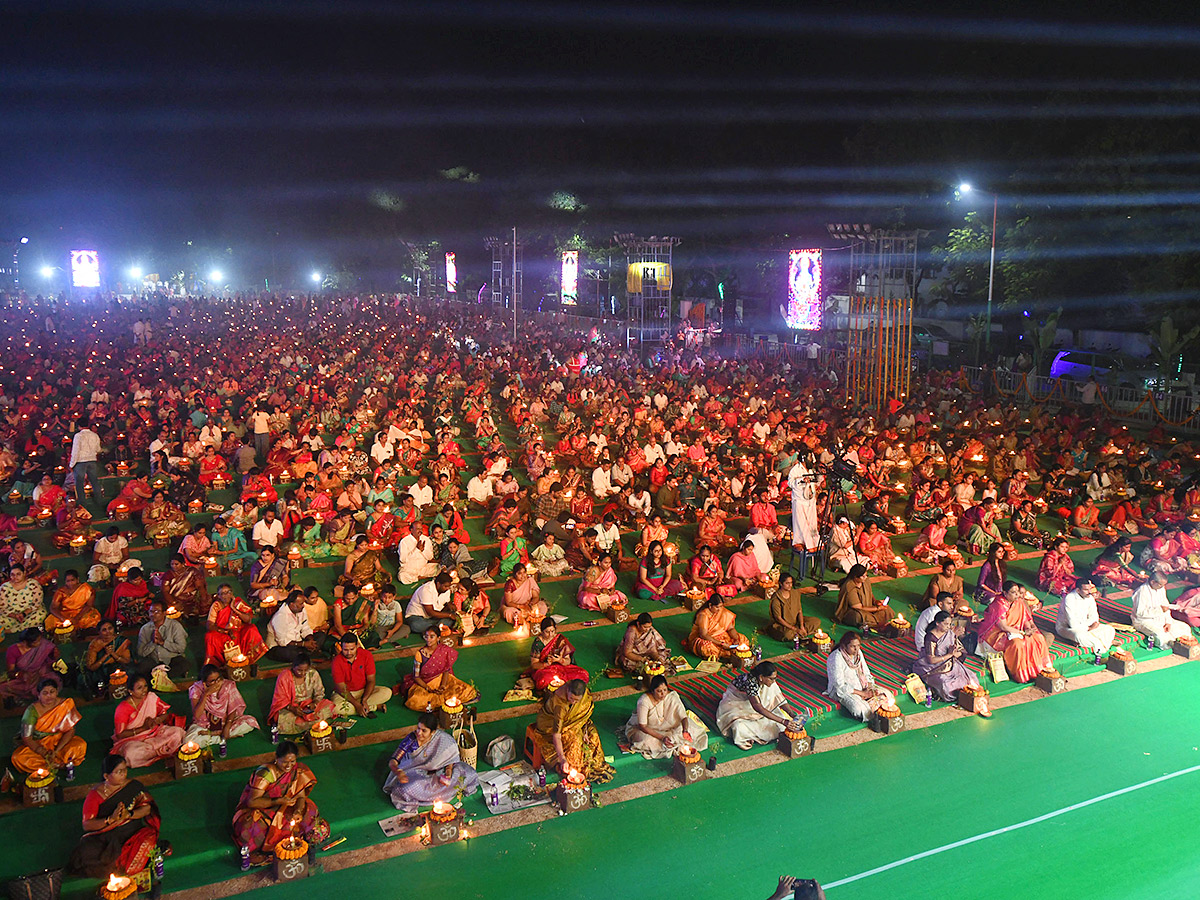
[{"x": 1109, "y": 368}]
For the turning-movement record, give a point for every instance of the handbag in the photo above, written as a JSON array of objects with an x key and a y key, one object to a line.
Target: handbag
[
  {"x": 43, "y": 885},
  {"x": 501, "y": 750},
  {"x": 916, "y": 688},
  {"x": 995, "y": 667}
]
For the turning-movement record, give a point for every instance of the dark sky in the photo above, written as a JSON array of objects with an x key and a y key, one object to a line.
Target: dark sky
[{"x": 315, "y": 130}]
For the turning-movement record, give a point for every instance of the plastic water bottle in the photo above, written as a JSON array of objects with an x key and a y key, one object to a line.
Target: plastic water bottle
[
  {"x": 274, "y": 733},
  {"x": 757, "y": 654},
  {"x": 159, "y": 866},
  {"x": 70, "y": 771},
  {"x": 222, "y": 748},
  {"x": 929, "y": 699},
  {"x": 796, "y": 643},
  {"x": 1149, "y": 642},
  {"x": 245, "y": 851},
  {"x": 1098, "y": 661}
]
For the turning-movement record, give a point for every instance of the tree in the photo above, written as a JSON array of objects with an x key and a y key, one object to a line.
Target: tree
[
  {"x": 1168, "y": 344},
  {"x": 1041, "y": 338},
  {"x": 963, "y": 259}
]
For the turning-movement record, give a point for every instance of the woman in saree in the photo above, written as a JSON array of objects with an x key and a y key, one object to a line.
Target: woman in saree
[
  {"x": 922, "y": 506},
  {"x": 842, "y": 554},
  {"x": 552, "y": 658},
  {"x": 144, "y": 729},
  {"x": 47, "y": 495},
  {"x": 749, "y": 710},
  {"x": 135, "y": 494},
  {"x": 28, "y": 661},
  {"x": 211, "y": 466},
  {"x": 940, "y": 663},
  {"x": 308, "y": 539},
  {"x": 340, "y": 534},
  {"x": 514, "y": 550},
  {"x": 643, "y": 644},
  {"x": 74, "y": 602},
  {"x": 218, "y": 710},
  {"x": 48, "y": 739},
  {"x": 298, "y": 702},
  {"x": 269, "y": 579},
  {"x": 931, "y": 546},
  {"x": 654, "y": 581},
  {"x": 850, "y": 681},
  {"x": 1008, "y": 628},
  {"x": 426, "y": 768},
  {"x": 713, "y": 634},
  {"x": 655, "y": 530},
  {"x": 231, "y": 631},
  {"x": 105, "y": 652},
  {"x": 522, "y": 599},
  {"x": 120, "y": 825},
  {"x": 1115, "y": 565},
  {"x": 978, "y": 528},
  {"x": 364, "y": 565},
  {"x": 1023, "y": 528},
  {"x": 21, "y": 601},
  {"x": 1056, "y": 573},
  {"x": 432, "y": 679},
  {"x": 183, "y": 587},
  {"x": 257, "y": 488},
  {"x": 566, "y": 737},
  {"x": 162, "y": 520},
  {"x": 710, "y": 530},
  {"x": 275, "y": 805},
  {"x": 660, "y": 723},
  {"x": 598, "y": 589},
  {"x": 229, "y": 546},
  {"x": 742, "y": 568},
  {"x": 72, "y": 521},
  {"x": 704, "y": 571},
  {"x": 451, "y": 521},
  {"x": 992, "y": 575},
  {"x": 874, "y": 547}
]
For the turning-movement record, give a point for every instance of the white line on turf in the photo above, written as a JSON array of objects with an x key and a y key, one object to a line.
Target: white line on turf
[{"x": 989, "y": 834}]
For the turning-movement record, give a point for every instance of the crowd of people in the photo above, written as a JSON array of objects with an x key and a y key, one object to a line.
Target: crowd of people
[{"x": 365, "y": 433}]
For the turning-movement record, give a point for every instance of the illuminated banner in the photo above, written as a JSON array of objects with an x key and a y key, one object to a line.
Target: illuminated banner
[
  {"x": 570, "y": 277},
  {"x": 451, "y": 274},
  {"x": 85, "y": 269},
  {"x": 804, "y": 290},
  {"x": 650, "y": 274}
]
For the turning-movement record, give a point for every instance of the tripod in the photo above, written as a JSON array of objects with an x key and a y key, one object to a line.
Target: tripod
[{"x": 837, "y": 495}]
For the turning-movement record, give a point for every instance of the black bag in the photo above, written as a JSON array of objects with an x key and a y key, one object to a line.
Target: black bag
[{"x": 43, "y": 885}]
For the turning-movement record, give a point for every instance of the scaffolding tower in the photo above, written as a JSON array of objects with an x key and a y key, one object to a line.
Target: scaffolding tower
[
  {"x": 648, "y": 280},
  {"x": 508, "y": 265}
]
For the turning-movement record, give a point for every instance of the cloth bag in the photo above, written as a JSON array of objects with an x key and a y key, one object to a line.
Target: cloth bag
[{"x": 501, "y": 750}]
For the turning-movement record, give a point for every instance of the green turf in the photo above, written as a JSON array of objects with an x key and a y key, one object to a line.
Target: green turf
[{"x": 838, "y": 814}]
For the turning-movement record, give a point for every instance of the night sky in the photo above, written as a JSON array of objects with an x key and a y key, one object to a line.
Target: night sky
[{"x": 287, "y": 135}]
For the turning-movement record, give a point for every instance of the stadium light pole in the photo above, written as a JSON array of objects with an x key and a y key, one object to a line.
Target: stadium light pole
[{"x": 965, "y": 188}]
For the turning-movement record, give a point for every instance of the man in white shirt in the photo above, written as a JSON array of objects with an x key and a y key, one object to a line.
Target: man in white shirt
[
  {"x": 1099, "y": 485},
  {"x": 1079, "y": 621},
  {"x": 654, "y": 452},
  {"x": 479, "y": 490},
  {"x": 1152, "y": 612},
  {"x": 289, "y": 633},
  {"x": 620, "y": 474},
  {"x": 416, "y": 552},
  {"x": 210, "y": 434},
  {"x": 268, "y": 531},
  {"x": 85, "y": 449},
  {"x": 943, "y": 603},
  {"x": 602, "y": 486},
  {"x": 640, "y": 502},
  {"x": 260, "y": 425},
  {"x": 428, "y": 605},
  {"x": 421, "y": 492}
]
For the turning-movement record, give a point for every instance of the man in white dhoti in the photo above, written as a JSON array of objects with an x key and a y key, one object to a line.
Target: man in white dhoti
[
  {"x": 1152, "y": 612},
  {"x": 806, "y": 532},
  {"x": 749, "y": 711},
  {"x": 417, "y": 554},
  {"x": 1079, "y": 621},
  {"x": 851, "y": 682}
]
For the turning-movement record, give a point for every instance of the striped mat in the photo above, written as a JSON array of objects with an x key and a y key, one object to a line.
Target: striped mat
[{"x": 801, "y": 679}]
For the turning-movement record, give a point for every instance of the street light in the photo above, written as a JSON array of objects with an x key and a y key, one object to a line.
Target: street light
[
  {"x": 963, "y": 189},
  {"x": 48, "y": 271},
  {"x": 135, "y": 272},
  {"x": 216, "y": 275},
  {"x": 316, "y": 277}
]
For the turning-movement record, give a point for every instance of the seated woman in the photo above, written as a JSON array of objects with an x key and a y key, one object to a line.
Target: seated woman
[
  {"x": 552, "y": 658},
  {"x": 269, "y": 578},
  {"x": 27, "y": 662},
  {"x": 218, "y": 710},
  {"x": 704, "y": 572},
  {"x": 749, "y": 710},
  {"x": 163, "y": 521},
  {"x": 710, "y": 530},
  {"x": 144, "y": 729},
  {"x": 1127, "y": 516},
  {"x": 426, "y": 768},
  {"x": 874, "y": 548},
  {"x": 196, "y": 545},
  {"x": 654, "y": 581},
  {"x": 505, "y": 516},
  {"x": 211, "y": 466},
  {"x": 655, "y": 530},
  {"x": 1008, "y": 628},
  {"x": 47, "y": 495},
  {"x": 309, "y": 541},
  {"x": 992, "y": 575},
  {"x": 788, "y": 622},
  {"x": 229, "y": 546},
  {"x": 1056, "y": 574},
  {"x": 660, "y": 723},
  {"x": 21, "y": 599},
  {"x": 120, "y": 825},
  {"x": 231, "y": 631},
  {"x": 713, "y": 634},
  {"x": 432, "y": 678},
  {"x": 856, "y": 602},
  {"x": 940, "y": 664},
  {"x": 364, "y": 565},
  {"x": 72, "y": 521},
  {"x": 598, "y": 589},
  {"x": 105, "y": 652},
  {"x": 275, "y": 805},
  {"x": 135, "y": 494},
  {"x": 298, "y": 702},
  {"x": 522, "y": 599},
  {"x": 48, "y": 738},
  {"x": 742, "y": 569},
  {"x": 75, "y": 602},
  {"x": 340, "y": 533},
  {"x": 643, "y": 644},
  {"x": 1115, "y": 565},
  {"x": 931, "y": 546},
  {"x": 550, "y": 558},
  {"x": 978, "y": 529},
  {"x": 130, "y": 603},
  {"x": 514, "y": 550},
  {"x": 566, "y": 737},
  {"x": 258, "y": 487},
  {"x": 851, "y": 683},
  {"x": 1023, "y": 527}
]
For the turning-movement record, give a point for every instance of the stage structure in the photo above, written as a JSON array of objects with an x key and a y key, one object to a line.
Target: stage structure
[
  {"x": 804, "y": 306},
  {"x": 569, "y": 282},
  {"x": 507, "y": 270},
  {"x": 879, "y": 351},
  {"x": 882, "y": 263},
  {"x": 648, "y": 280}
]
